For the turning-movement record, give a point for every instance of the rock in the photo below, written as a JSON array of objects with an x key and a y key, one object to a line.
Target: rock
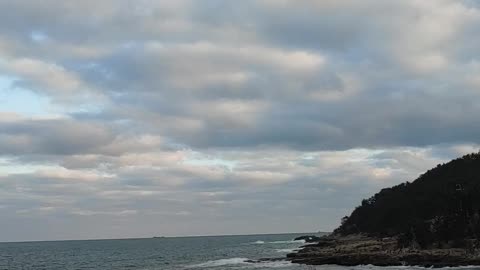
[
  {"x": 362, "y": 250},
  {"x": 308, "y": 238},
  {"x": 262, "y": 260}
]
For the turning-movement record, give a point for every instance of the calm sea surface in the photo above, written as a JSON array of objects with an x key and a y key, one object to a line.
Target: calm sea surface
[{"x": 195, "y": 253}]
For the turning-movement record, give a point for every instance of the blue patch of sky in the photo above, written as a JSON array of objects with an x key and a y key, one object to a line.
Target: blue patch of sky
[
  {"x": 21, "y": 101},
  {"x": 38, "y": 36},
  {"x": 11, "y": 165},
  {"x": 200, "y": 159},
  {"x": 27, "y": 103}
]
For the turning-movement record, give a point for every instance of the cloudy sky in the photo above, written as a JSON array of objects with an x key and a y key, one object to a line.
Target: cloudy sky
[{"x": 140, "y": 118}]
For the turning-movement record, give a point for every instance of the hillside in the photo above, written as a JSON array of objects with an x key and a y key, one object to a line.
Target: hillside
[
  {"x": 440, "y": 208},
  {"x": 433, "y": 222}
]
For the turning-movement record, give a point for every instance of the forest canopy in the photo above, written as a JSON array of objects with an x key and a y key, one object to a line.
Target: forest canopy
[{"x": 439, "y": 209}]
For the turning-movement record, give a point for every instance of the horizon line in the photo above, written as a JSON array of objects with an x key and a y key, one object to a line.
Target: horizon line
[{"x": 155, "y": 237}]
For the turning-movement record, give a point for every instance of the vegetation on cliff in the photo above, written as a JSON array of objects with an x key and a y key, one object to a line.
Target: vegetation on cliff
[{"x": 440, "y": 209}]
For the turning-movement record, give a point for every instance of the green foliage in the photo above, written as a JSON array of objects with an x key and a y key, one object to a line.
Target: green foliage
[{"x": 439, "y": 209}]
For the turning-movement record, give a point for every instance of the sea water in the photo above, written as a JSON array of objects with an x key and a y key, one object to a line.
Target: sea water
[{"x": 171, "y": 253}]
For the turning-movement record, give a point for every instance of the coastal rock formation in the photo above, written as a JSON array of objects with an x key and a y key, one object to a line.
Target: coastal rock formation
[
  {"x": 361, "y": 250},
  {"x": 308, "y": 238},
  {"x": 433, "y": 221}
]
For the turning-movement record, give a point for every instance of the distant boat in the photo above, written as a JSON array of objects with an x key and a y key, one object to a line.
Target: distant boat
[{"x": 159, "y": 237}]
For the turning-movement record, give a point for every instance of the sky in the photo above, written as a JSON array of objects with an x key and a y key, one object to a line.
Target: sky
[{"x": 146, "y": 118}]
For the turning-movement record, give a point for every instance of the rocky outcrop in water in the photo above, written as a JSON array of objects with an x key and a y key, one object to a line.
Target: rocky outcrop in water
[{"x": 308, "y": 238}]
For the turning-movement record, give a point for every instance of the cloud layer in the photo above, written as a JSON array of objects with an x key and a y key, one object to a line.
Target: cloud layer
[{"x": 188, "y": 117}]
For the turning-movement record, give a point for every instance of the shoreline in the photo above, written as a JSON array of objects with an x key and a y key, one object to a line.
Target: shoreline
[{"x": 354, "y": 250}]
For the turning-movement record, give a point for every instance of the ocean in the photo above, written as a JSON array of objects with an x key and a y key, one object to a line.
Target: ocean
[{"x": 171, "y": 253}]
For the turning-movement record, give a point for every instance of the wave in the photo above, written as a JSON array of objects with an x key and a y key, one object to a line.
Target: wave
[
  {"x": 241, "y": 261},
  {"x": 287, "y": 250},
  {"x": 274, "y": 264},
  {"x": 260, "y": 242},
  {"x": 221, "y": 262}
]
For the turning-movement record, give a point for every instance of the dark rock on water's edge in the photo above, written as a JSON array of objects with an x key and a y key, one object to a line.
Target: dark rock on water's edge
[
  {"x": 266, "y": 260},
  {"x": 308, "y": 238},
  {"x": 363, "y": 250}
]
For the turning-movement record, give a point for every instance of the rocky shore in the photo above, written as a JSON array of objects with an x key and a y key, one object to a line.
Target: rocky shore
[{"x": 362, "y": 250}]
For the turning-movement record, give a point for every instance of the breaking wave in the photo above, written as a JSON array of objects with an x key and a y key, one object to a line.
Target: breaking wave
[
  {"x": 221, "y": 262},
  {"x": 241, "y": 261},
  {"x": 287, "y": 250},
  {"x": 259, "y": 242}
]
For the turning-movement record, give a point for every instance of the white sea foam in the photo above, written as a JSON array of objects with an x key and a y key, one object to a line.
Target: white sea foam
[
  {"x": 221, "y": 262},
  {"x": 273, "y": 264},
  {"x": 259, "y": 242},
  {"x": 287, "y": 250},
  {"x": 240, "y": 261}
]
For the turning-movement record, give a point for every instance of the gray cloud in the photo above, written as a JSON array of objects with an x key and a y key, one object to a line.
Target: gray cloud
[
  {"x": 51, "y": 137},
  {"x": 293, "y": 62}
]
